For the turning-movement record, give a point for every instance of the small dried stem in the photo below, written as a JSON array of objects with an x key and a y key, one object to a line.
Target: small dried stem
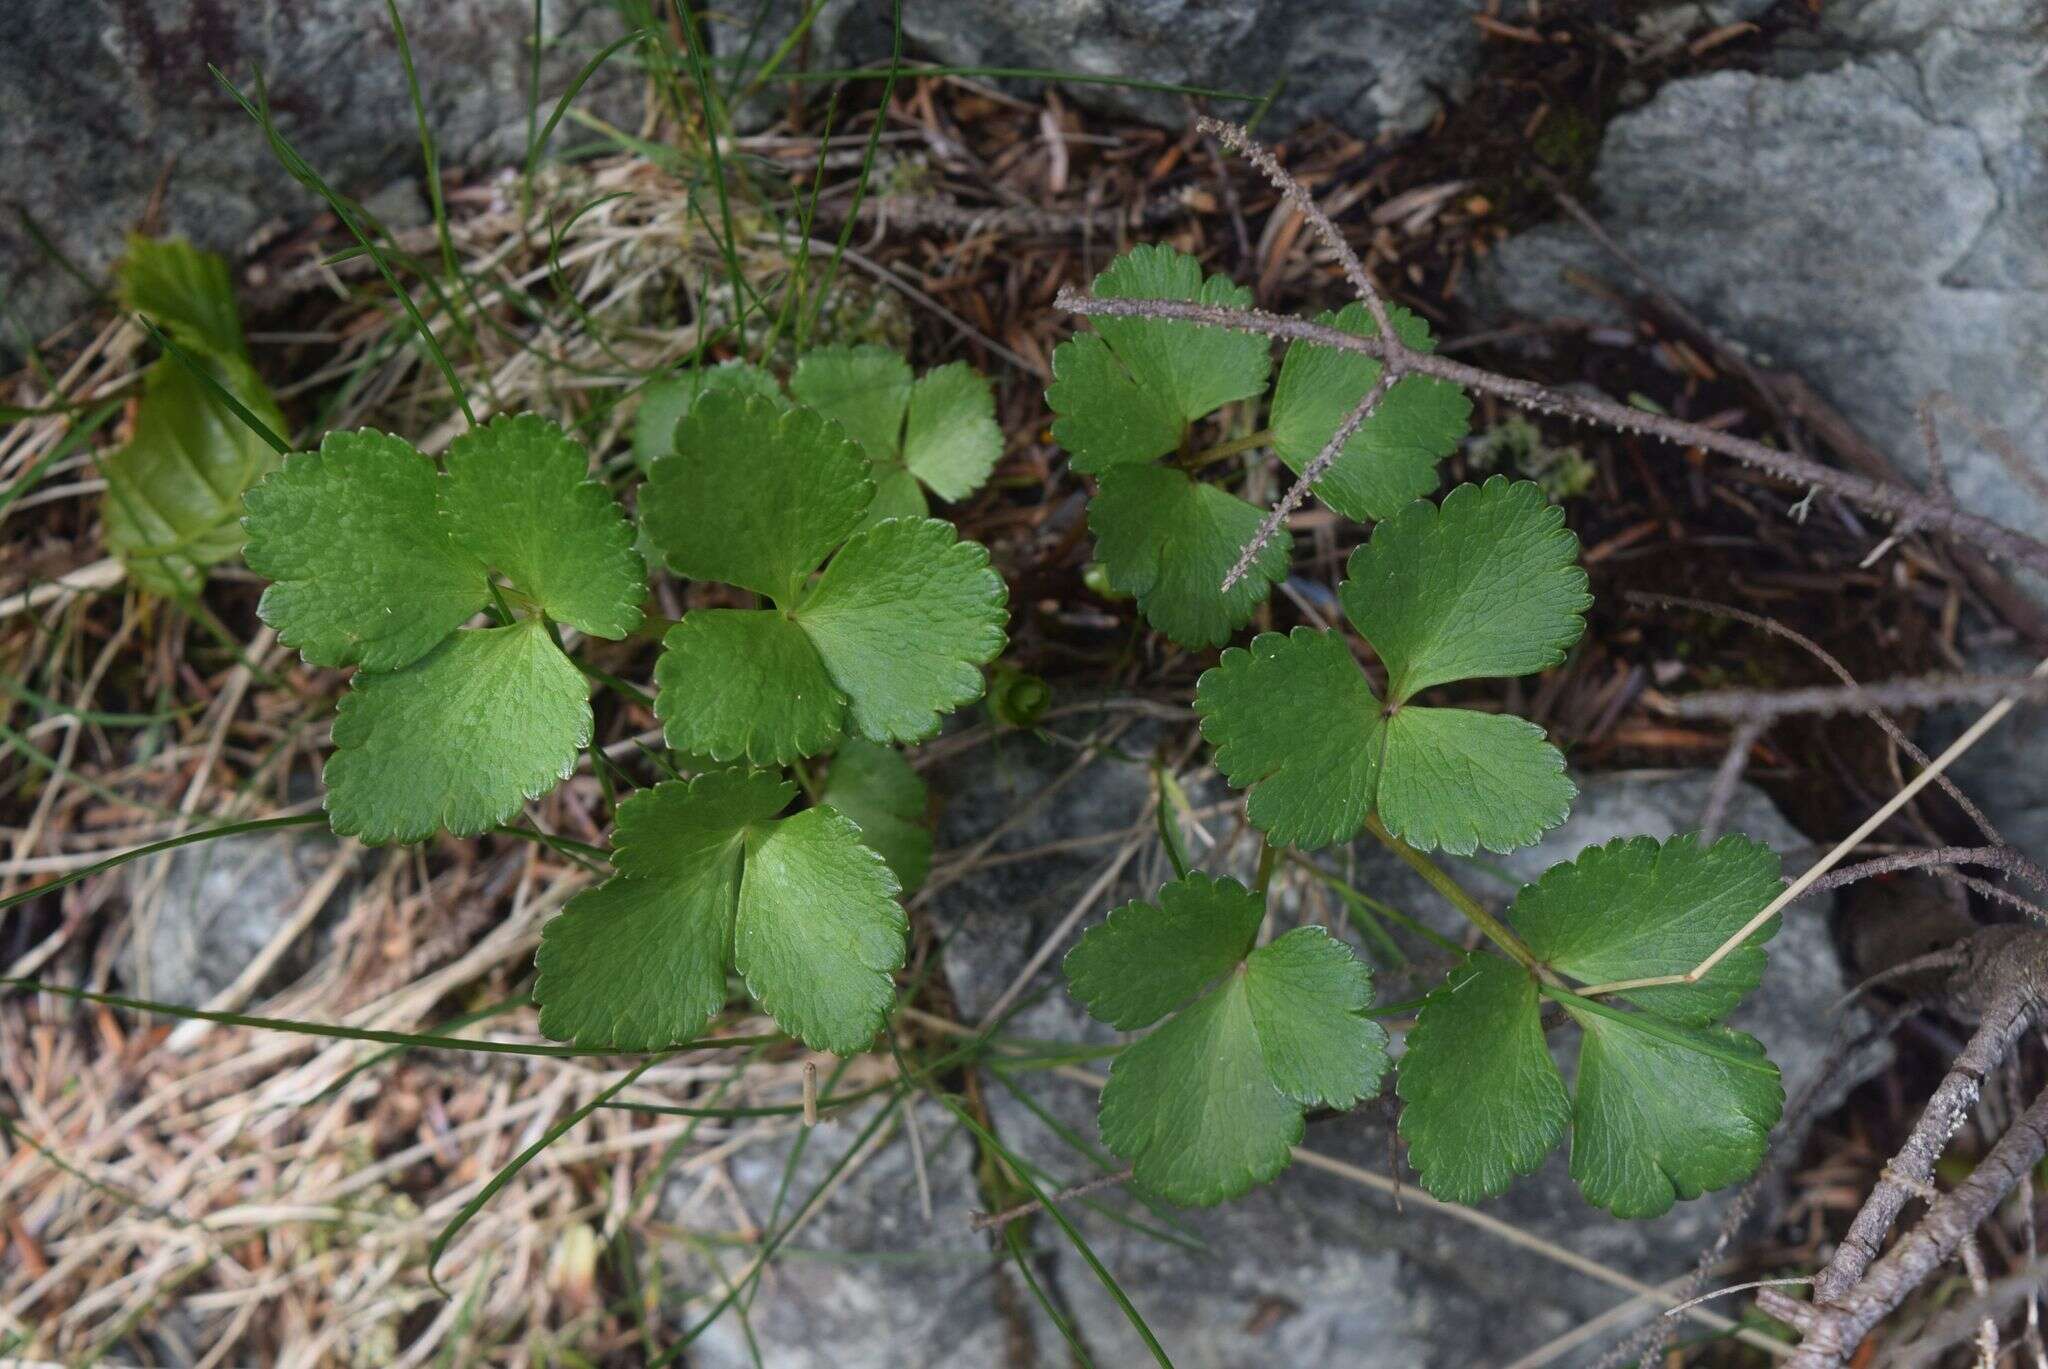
[
  {"x": 1912, "y": 1169},
  {"x": 1933, "y": 691},
  {"x": 982, "y": 1221},
  {"x": 1832, "y": 1329},
  {"x": 1239, "y": 140}
]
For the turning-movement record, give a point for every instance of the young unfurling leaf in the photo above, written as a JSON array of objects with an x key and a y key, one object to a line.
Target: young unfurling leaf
[
  {"x": 174, "y": 489},
  {"x": 1210, "y": 1103},
  {"x": 710, "y": 878},
  {"x": 1667, "y": 1104},
  {"x": 888, "y": 638},
  {"x": 1484, "y": 585},
  {"x": 377, "y": 561}
]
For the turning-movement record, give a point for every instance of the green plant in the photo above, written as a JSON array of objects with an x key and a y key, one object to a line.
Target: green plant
[
  {"x": 876, "y": 627},
  {"x": 1645, "y": 946}
]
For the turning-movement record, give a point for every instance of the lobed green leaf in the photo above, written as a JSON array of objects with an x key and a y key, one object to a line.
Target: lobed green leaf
[
  {"x": 754, "y": 495},
  {"x": 1294, "y": 721},
  {"x": 1482, "y": 1101},
  {"x": 1637, "y": 908},
  {"x": 710, "y": 877},
  {"x": 1485, "y": 584},
  {"x": 904, "y": 618},
  {"x": 459, "y": 739},
  {"x": 664, "y": 403},
  {"x": 1147, "y": 959},
  {"x": 1657, "y": 1118},
  {"x": 519, "y": 498},
  {"x": 364, "y": 568},
  {"x": 1307, "y": 995}
]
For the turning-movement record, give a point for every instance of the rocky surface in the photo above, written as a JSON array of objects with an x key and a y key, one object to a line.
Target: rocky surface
[
  {"x": 1313, "y": 1269},
  {"x": 106, "y": 104},
  {"x": 1870, "y": 211},
  {"x": 1370, "y": 66},
  {"x": 215, "y": 906}
]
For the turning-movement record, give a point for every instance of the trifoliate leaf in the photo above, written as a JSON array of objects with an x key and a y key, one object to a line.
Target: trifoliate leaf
[
  {"x": 1482, "y": 1099},
  {"x": 714, "y": 878},
  {"x": 1294, "y": 720},
  {"x": 1307, "y": 993},
  {"x": 518, "y": 496},
  {"x": 1170, "y": 541},
  {"x": 364, "y": 567},
  {"x": 950, "y": 439},
  {"x": 186, "y": 292},
  {"x": 863, "y": 389},
  {"x": 174, "y": 490},
  {"x": 1128, "y": 392},
  {"x": 1104, "y": 418},
  {"x": 1146, "y": 959},
  {"x": 1298, "y": 723},
  {"x": 664, "y": 402},
  {"x": 1486, "y": 584},
  {"x": 1636, "y": 908},
  {"x": 754, "y": 495},
  {"x": 1210, "y": 1103},
  {"x": 904, "y": 618},
  {"x": 1194, "y": 1108},
  {"x": 1666, "y": 1112},
  {"x": 875, "y": 786},
  {"x": 1199, "y": 368},
  {"x": 1392, "y": 459},
  {"x": 1455, "y": 780},
  {"x": 736, "y": 683},
  {"x": 459, "y": 739},
  {"x": 819, "y": 931}
]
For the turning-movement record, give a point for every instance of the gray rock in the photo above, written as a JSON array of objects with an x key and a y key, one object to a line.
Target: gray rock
[
  {"x": 868, "y": 1283},
  {"x": 1872, "y": 212},
  {"x": 1371, "y": 66},
  {"x": 2006, "y": 774},
  {"x": 1312, "y": 1269},
  {"x": 100, "y": 100},
  {"x": 222, "y": 902}
]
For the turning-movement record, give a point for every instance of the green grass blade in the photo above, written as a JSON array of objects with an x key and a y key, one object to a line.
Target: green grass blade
[
  {"x": 168, "y": 844},
  {"x": 416, "y": 1040},
  {"x": 1073, "y": 1235},
  {"x": 520, "y": 1161},
  {"x": 302, "y": 172},
  {"x": 215, "y": 388}
]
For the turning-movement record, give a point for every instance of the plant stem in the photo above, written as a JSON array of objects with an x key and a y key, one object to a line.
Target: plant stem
[
  {"x": 1496, "y": 931},
  {"x": 1223, "y": 451},
  {"x": 1269, "y": 856}
]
